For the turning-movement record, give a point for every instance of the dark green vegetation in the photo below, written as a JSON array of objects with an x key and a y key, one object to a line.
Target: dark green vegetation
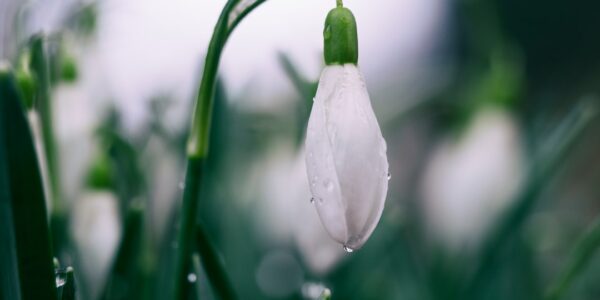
[{"x": 536, "y": 59}]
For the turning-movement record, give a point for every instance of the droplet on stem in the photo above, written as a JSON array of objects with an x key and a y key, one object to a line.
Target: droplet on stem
[
  {"x": 192, "y": 277},
  {"x": 348, "y": 249}
]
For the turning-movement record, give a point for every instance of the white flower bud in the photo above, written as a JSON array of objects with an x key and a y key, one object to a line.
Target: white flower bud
[{"x": 346, "y": 157}]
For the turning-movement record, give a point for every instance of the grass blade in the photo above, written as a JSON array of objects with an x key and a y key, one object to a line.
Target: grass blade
[
  {"x": 40, "y": 65},
  {"x": 215, "y": 270},
  {"x": 582, "y": 253},
  {"x": 9, "y": 272},
  {"x": 25, "y": 195}
]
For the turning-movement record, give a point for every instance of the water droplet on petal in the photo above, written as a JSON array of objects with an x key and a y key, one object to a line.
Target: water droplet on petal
[
  {"x": 192, "y": 277},
  {"x": 317, "y": 200},
  {"x": 348, "y": 249},
  {"x": 328, "y": 185},
  {"x": 327, "y": 32},
  {"x": 389, "y": 176}
]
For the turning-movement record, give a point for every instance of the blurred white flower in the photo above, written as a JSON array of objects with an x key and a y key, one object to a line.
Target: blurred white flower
[
  {"x": 346, "y": 157},
  {"x": 287, "y": 215},
  {"x": 97, "y": 231},
  {"x": 471, "y": 180}
]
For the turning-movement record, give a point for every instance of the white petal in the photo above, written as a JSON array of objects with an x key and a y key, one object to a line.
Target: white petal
[{"x": 346, "y": 157}]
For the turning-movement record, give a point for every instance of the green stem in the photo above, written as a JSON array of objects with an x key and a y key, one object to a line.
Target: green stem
[
  {"x": 582, "y": 253},
  {"x": 43, "y": 104},
  {"x": 243, "y": 14},
  {"x": 187, "y": 222},
  {"x": 40, "y": 61},
  {"x": 339, "y": 3},
  {"x": 197, "y": 146},
  {"x": 215, "y": 270}
]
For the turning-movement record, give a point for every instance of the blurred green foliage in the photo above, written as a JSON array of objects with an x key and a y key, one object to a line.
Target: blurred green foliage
[{"x": 536, "y": 59}]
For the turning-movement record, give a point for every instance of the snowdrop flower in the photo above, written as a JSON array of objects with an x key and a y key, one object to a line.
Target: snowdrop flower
[
  {"x": 471, "y": 180},
  {"x": 346, "y": 154}
]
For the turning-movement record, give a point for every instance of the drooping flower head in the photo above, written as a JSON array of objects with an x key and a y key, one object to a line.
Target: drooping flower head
[{"x": 345, "y": 152}]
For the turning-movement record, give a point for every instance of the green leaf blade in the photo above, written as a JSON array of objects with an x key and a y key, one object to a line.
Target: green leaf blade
[{"x": 25, "y": 195}]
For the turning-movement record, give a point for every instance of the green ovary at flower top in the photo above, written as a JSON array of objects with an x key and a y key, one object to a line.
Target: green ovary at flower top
[
  {"x": 340, "y": 37},
  {"x": 345, "y": 151}
]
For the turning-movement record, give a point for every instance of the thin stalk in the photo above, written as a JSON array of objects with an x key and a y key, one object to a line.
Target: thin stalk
[
  {"x": 580, "y": 257},
  {"x": 43, "y": 105},
  {"x": 187, "y": 222},
  {"x": 40, "y": 63},
  {"x": 215, "y": 270},
  {"x": 198, "y": 285},
  {"x": 197, "y": 149},
  {"x": 243, "y": 14},
  {"x": 197, "y": 146},
  {"x": 339, "y": 3}
]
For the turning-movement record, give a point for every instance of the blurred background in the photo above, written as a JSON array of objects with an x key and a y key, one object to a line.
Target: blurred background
[{"x": 475, "y": 99}]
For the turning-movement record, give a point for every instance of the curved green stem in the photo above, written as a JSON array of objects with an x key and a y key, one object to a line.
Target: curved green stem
[
  {"x": 197, "y": 145},
  {"x": 582, "y": 253},
  {"x": 243, "y": 14}
]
